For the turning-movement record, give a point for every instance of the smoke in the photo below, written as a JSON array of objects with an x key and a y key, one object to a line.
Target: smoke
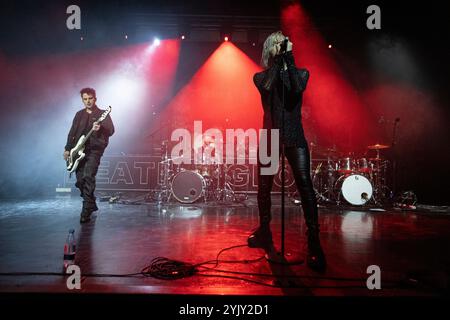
[{"x": 39, "y": 97}]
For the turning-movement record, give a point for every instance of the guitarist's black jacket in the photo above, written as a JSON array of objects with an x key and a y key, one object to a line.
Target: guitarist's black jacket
[{"x": 82, "y": 123}]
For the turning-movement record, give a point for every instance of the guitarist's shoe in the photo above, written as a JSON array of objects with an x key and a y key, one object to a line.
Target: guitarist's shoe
[{"x": 85, "y": 217}]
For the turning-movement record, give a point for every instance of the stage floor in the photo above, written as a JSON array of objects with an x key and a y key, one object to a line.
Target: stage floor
[{"x": 411, "y": 249}]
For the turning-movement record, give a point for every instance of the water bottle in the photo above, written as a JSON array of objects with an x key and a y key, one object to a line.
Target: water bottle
[{"x": 69, "y": 249}]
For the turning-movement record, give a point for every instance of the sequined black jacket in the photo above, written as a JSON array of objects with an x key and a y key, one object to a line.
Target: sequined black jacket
[{"x": 270, "y": 84}]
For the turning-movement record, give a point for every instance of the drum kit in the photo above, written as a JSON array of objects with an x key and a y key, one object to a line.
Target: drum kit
[
  {"x": 337, "y": 178},
  {"x": 205, "y": 181},
  {"x": 348, "y": 179}
]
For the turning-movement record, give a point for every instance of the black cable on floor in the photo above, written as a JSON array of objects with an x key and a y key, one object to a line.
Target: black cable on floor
[{"x": 168, "y": 269}]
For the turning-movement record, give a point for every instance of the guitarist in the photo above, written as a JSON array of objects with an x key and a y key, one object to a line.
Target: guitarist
[{"x": 83, "y": 122}]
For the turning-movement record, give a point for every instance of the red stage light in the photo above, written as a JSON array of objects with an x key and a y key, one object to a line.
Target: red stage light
[
  {"x": 204, "y": 97},
  {"x": 339, "y": 116}
]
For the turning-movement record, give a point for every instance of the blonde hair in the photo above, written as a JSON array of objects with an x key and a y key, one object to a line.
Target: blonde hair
[{"x": 268, "y": 44}]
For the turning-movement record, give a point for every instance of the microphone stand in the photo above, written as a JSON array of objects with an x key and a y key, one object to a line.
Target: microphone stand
[
  {"x": 282, "y": 257},
  {"x": 394, "y": 158}
]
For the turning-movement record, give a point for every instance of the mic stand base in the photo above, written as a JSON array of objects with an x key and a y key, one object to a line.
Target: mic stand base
[{"x": 274, "y": 256}]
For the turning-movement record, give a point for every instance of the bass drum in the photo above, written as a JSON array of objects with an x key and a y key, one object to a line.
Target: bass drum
[
  {"x": 356, "y": 189},
  {"x": 188, "y": 186}
]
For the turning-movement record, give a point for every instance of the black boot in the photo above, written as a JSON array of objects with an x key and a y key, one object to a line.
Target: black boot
[
  {"x": 88, "y": 208},
  {"x": 315, "y": 258},
  {"x": 85, "y": 216},
  {"x": 261, "y": 237}
]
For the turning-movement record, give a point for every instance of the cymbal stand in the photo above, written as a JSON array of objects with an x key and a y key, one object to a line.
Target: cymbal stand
[
  {"x": 376, "y": 178},
  {"x": 382, "y": 188},
  {"x": 330, "y": 179},
  {"x": 164, "y": 193},
  {"x": 224, "y": 191}
]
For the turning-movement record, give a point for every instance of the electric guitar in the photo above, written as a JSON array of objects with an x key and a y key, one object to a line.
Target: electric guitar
[{"x": 77, "y": 153}]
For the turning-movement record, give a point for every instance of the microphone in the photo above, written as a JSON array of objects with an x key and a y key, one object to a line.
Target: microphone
[{"x": 283, "y": 46}]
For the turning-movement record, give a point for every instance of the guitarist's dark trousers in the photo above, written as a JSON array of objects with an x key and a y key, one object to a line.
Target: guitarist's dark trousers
[{"x": 86, "y": 172}]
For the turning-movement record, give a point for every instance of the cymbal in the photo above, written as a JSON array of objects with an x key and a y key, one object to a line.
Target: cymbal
[{"x": 378, "y": 146}]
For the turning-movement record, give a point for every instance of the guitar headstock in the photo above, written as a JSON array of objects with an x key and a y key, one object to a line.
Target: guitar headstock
[{"x": 104, "y": 114}]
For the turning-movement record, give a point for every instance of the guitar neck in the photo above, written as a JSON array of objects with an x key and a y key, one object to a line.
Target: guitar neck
[
  {"x": 98, "y": 121},
  {"x": 89, "y": 133}
]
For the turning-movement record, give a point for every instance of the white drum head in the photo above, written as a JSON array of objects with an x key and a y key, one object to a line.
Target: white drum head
[{"x": 357, "y": 189}]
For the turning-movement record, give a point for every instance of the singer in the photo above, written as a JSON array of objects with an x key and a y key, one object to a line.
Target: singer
[{"x": 281, "y": 86}]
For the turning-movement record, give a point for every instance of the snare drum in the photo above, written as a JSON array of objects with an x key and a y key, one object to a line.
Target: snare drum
[{"x": 188, "y": 186}]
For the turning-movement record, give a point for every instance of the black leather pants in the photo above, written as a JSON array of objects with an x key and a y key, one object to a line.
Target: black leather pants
[
  {"x": 299, "y": 160},
  {"x": 86, "y": 173}
]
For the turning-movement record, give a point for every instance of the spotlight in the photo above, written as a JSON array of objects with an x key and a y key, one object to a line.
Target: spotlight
[
  {"x": 126, "y": 37},
  {"x": 253, "y": 37},
  {"x": 330, "y": 46},
  {"x": 156, "y": 42},
  {"x": 183, "y": 37},
  {"x": 226, "y": 31},
  {"x": 81, "y": 38}
]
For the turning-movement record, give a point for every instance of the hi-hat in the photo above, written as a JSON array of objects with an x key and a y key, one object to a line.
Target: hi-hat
[{"x": 378, "y": 146}]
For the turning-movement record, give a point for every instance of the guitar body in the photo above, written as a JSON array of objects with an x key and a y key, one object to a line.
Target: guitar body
[{"x": 76, "y": 155}]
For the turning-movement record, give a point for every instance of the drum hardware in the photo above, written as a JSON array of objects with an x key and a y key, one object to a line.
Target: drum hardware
[
  {"x": 355, "y": 180},
  {"x": 324, "y": 175},
  {"x": 378, "y": 173},
  {"x": 224, "y": 191},
  {"x": 163, "y": 193},
  {"x": 323, "y": 181}
]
